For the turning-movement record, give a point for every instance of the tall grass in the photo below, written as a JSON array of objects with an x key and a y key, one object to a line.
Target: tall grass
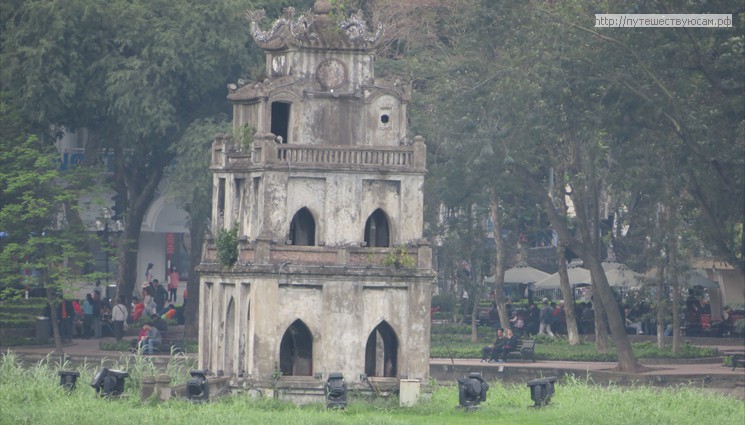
[{"x": 32, "y": 395}]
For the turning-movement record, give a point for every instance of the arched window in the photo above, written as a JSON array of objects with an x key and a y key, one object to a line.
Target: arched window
[
  {"x": 296, "y": 350},
  {"x": 377, "y": 230},
  {"x": 303, "y": 228},
  {"x": 381, "y": 352}
]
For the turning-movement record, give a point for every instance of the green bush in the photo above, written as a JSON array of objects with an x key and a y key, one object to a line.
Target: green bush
[
  {"x": 227, "y": 245},
  {"x": 21, "y": 313},
  {"x": 443, "y": 302},
  {"x": 740, "y": 327}
]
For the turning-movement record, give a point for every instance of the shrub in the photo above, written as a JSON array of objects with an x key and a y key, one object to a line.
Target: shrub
[
  {"x": 227, "y": 245},
  {"x": 444, "y": 302},
  {"x": 399, "y": 258},
  {"x": 740, "y": 327}
]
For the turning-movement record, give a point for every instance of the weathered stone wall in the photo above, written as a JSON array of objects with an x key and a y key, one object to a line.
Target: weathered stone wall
[{"x": 340, "y": 313}]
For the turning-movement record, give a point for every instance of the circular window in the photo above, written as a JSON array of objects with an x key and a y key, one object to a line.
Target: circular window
[
  {"x": 332, "y": 74},
  {"x": 384, "y": 118}
]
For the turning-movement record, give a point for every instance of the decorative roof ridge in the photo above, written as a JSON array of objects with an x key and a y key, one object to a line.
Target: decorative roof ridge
[{"x": 313, "y": 31}]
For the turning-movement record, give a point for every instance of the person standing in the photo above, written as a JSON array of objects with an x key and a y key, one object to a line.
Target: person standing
[
  {"x": 118, "y": 316},
  {"x": 160, "y": 296},
  {"x": 546, "y": 318},
  {"x": 173, "y": 280},
  {"x": 149, "y": 273},
  {"x": 98, "y": 289},
  {"x": 149, "y": 302},
  {"x": 97, "y": 308},
  {"x": 532, "y": 324},
  {"x": 88, "y": 316}
]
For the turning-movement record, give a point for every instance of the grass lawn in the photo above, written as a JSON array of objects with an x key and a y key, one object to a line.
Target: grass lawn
[{"x": 33, "y": 396}]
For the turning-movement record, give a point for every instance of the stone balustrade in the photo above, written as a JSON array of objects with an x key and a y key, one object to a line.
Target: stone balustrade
[
  {"x": 266, "y": 153},
  {"x": 271, "y": 253}
]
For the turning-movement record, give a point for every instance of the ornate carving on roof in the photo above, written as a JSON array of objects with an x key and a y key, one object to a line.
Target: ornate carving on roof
[
  {"x": 356, "y": 30},
  {"x": 274, "y": 37},
  {"x": 301, "y": 29},
  {"x": 306, "y": 30}
]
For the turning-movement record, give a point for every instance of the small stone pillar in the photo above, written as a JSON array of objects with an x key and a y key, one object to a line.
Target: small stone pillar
[
  {"x": 163, "y": 387},
  {"x": 424, "y": 254},
  {"x": 420, "y": 152},
  {"x": 147, "y": 387},
  {"x": 408, "y": 392}
]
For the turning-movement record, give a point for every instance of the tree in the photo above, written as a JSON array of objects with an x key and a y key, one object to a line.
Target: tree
[
  {"x": 38, "y": 245},
  {"x": 194, "y": 154},
  {"x": 134, "y": 73}
]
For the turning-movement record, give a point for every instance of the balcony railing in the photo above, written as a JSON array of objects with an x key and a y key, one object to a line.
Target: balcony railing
[
  {"x": 265, "y": 152},
  {"x": 268, "y": 253},
  {"x": 347, "y": 156}
]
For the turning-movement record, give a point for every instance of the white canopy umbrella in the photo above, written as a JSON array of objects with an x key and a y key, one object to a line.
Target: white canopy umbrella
[
  {"x": 577, "y": 275},
  {"x": 696, "y": 277},
  {"x": 617, "y": 274},
  {"x": 521, "y": 273},
  {"x": 688, "y": 279}
]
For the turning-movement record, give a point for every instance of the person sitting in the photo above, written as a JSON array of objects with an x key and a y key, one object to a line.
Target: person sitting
[
  {"x": 631, "y": 321},
  {"x": 511, "y": 341},
  {"x": 139, "y": 342},
  {"x": 498, "y": 345},
  {"x": 159, "y": 323},
  {"x": 170, "y": 312},
  {"x": 138, "y": 310},
  {"x": 486, "y": 352},
  {"x": 153, "y": 339}
]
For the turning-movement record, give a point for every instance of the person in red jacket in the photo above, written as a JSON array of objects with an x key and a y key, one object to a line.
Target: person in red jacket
[{"x": 139, "y": 308}]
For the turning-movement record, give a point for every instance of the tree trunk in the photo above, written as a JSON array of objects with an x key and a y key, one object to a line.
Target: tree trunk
[
  {"x": 475, "y": 316},
  {"x": 626, "y": 360},
  {"x": 53, "y": 319},
  {"x": 660, "y": 302},
  {"x": 566, "y": 290},
  {"x": 664, "y": 220},
  {"x": 673, "y": 243},
  {"x": 140, "y": 193},
  {"x": 504, "y": 319},
  {"x": 191, "y": 310},
  {"x": 601, "y": 332}
]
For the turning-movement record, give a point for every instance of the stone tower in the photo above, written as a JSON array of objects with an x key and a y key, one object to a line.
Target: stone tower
[{"x": 333, "y": 275}]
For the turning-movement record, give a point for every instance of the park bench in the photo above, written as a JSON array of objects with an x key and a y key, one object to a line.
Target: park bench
[
  {"x": 173, "y": 342},
  {"x": 525, "y": 349}
]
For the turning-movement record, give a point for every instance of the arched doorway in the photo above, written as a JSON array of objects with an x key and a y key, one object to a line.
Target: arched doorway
[
  {"x": 296, "y": 350},
  {"x": 381, "y": 352},
  {"x": 377, "y": 230},
  {"x": 303, "y": 228}
]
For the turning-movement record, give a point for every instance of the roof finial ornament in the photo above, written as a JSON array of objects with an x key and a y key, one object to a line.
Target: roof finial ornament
[{"x": 322, "y": 7}]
